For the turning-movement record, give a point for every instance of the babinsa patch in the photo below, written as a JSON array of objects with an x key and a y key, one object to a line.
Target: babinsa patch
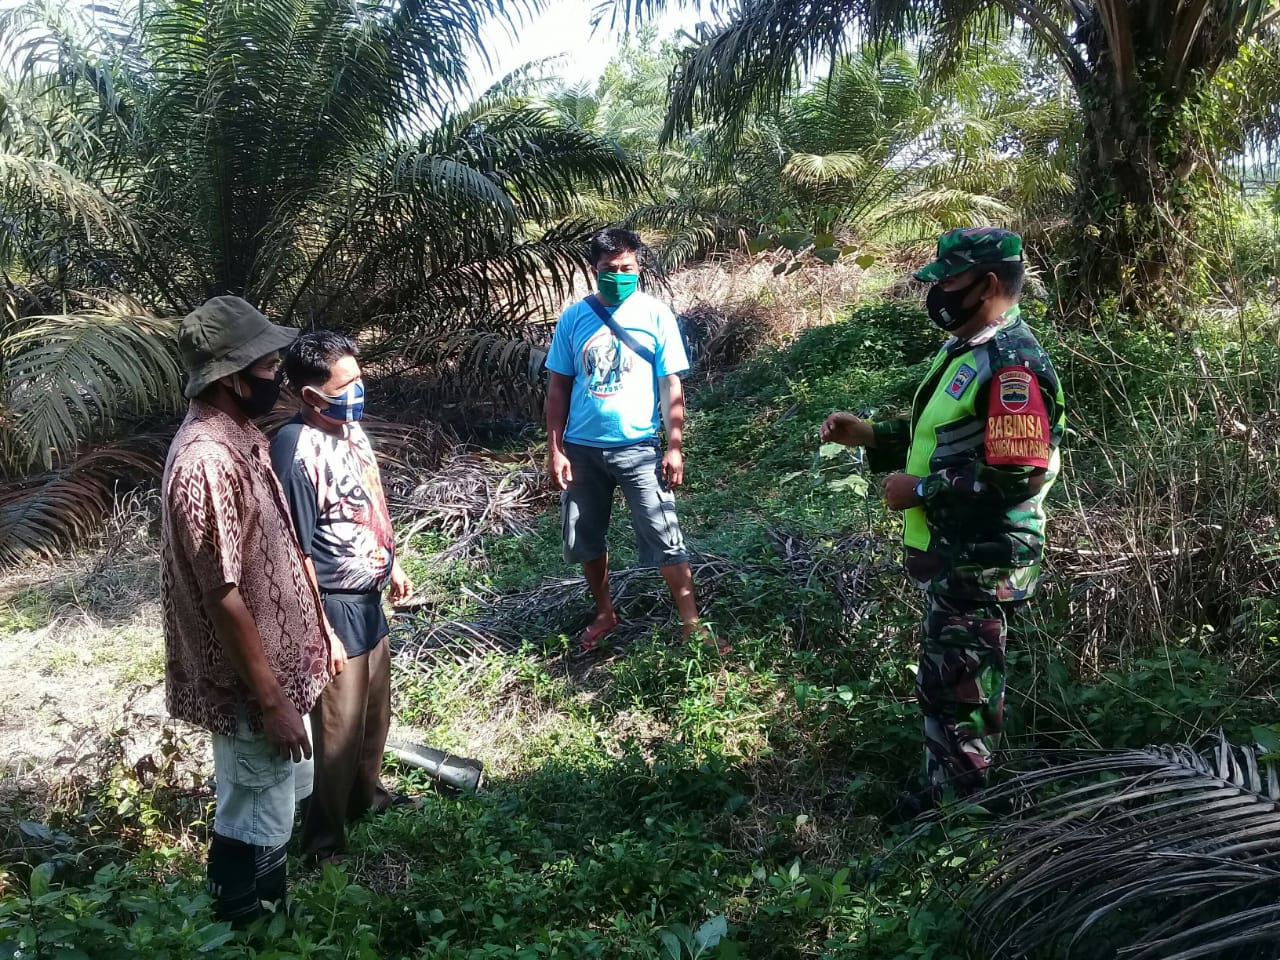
[
  {"x": 1018, "y": 432},
  {"x": 1015, "y": 389},
  {"x": 960, "y": 382}
]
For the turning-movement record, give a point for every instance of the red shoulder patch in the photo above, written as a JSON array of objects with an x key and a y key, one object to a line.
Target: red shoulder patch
[{"x": 1017, "y": 425}]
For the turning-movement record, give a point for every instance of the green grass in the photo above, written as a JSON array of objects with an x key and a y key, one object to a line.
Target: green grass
[
  {"x": 669, "y": 794},
  {"x": 26, "y": 611}
]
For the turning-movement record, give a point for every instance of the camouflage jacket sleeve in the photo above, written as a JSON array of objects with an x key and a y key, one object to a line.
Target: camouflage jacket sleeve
[
  {"x": 893, "y": 440},
  {"x": 1023, "y": 426}
]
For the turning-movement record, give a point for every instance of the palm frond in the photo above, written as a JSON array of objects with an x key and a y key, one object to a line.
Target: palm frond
[
  {"x": 52, "y": 185},
  {"x": 823, "y": 170},
  {"x": 857, "y": 105},
  {"x": 538, "y": 157},
  {"x": 539, "y": 271},
  {"x": 496, "y": 288},
  {"x": 1248, "y": 94},
  {"x": 490, "y": 364},
  {"x": 688, "y": 230},
  {"x": 45, "y": 513},
  {"x": 1166, "y": 852},
  {"x": 454, "y": 185},
  {"x": 577, "y": 105},
  {"x": 747, "y": 66},
  {"x": 444, "y": 219},
  {"x": 68, "y": 374},
  {"x": 528, "y": 80},
  {"x": 933, "y": 211}
]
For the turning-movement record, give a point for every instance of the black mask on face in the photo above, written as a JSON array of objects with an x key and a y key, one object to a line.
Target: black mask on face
[
  {"x": 262, "y": 396},
  {"x": 946, "y": 307}
]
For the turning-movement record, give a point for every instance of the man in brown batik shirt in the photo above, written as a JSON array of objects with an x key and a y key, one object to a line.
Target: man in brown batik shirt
[{"x": 247, "y": 646}]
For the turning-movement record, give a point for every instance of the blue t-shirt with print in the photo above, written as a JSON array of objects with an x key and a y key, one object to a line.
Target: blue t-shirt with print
[{"x": 614, "y": 401}]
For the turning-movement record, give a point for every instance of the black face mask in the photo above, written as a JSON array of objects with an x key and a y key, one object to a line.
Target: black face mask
[
  {"x": 262, "y": 397},
  {"x": 946, "y": 307}
]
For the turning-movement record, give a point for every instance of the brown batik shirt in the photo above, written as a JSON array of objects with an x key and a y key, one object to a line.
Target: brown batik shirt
[{"x": 224, "y": 521}]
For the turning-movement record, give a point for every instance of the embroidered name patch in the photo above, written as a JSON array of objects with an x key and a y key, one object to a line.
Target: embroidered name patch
[{"x": 960, "y": 382}]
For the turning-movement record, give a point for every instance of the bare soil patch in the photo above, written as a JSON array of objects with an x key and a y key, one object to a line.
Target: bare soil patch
[{"x": 79, "y": 639}]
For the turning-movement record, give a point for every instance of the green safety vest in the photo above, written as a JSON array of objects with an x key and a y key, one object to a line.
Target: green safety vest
[{"x": 935, "y": 409}]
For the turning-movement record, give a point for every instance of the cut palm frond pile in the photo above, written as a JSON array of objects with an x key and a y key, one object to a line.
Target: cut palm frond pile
[
  {"x": 718, "y": 339},
  {"x": 852, "y": 571},
  {"x": 472, "y": 495},
  {"x": 1166, "y": 852}
]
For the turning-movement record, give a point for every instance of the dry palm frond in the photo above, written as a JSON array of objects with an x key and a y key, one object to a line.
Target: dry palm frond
[
  {"x": 1164, "y": 852},
  {"x": 851, "y": 570},
  {"x": 470, "y": 496},
  {"x": 41, "y": 514}
]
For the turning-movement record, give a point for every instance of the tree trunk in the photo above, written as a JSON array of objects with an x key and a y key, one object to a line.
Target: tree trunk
[
  {"x": 1145, "y": 168},
  {"x": 1134, "y": 216}
]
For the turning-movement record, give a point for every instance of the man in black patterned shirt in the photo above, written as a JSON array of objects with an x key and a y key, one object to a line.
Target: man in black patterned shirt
[{"x": 333, "y": 486}]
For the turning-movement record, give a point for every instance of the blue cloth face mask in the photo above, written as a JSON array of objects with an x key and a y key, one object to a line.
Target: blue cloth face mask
[{"x": 346, "y": 407}]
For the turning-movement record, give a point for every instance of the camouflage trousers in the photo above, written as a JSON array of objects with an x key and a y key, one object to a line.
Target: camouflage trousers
[{"x": 960, "y": 686}]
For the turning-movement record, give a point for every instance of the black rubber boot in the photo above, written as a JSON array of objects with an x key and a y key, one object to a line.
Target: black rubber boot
[{"x": 232, "y": 878}]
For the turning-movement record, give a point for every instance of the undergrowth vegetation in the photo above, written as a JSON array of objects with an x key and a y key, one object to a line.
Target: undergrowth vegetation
[{"x": 661, "y": 801}]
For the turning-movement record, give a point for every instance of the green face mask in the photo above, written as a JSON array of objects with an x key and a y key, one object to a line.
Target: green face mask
[{"x": 616, "y": 287}]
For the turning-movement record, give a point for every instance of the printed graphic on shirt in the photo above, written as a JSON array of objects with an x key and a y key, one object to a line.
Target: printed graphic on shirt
[
  {"x": 352, "y": 508},
  {"x": 606, "y": 361},
  {"x": 1017, "y": 425},
  {"x": 335, "y": 494},
  {"x": 960, "y": 382}
]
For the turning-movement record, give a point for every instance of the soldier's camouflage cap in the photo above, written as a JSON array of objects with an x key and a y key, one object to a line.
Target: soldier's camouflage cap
[{"x": 968, "y": 247}]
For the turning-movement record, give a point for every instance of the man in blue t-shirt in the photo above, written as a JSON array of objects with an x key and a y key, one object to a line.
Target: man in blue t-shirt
[{"x": 607, "y": 386}]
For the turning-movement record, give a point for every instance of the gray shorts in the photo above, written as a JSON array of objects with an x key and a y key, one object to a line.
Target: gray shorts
[
  {"x": 586, "y": 506},
  {"x": 255, "y": 790}
]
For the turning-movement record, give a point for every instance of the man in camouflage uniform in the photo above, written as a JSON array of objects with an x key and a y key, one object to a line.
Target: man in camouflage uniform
[{"x": 979, "y": 453}]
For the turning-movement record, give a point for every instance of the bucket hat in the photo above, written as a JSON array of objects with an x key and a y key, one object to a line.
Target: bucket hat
[{"x": 224, "y": 336}]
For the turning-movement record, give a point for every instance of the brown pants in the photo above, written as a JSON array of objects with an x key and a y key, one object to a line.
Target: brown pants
[{"x": 349, "y": 734}]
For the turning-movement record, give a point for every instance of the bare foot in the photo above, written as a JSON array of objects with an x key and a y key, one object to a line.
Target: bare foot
[{"x": 697, "y": 630}]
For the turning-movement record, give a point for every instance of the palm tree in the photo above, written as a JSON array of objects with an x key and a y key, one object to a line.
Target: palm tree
[
  {"x": 325, "y": 160},
  {"x": 871, "y": 153},
  {"x": 1135, "y": 66},
  {"x": 260, "y": 146}
]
